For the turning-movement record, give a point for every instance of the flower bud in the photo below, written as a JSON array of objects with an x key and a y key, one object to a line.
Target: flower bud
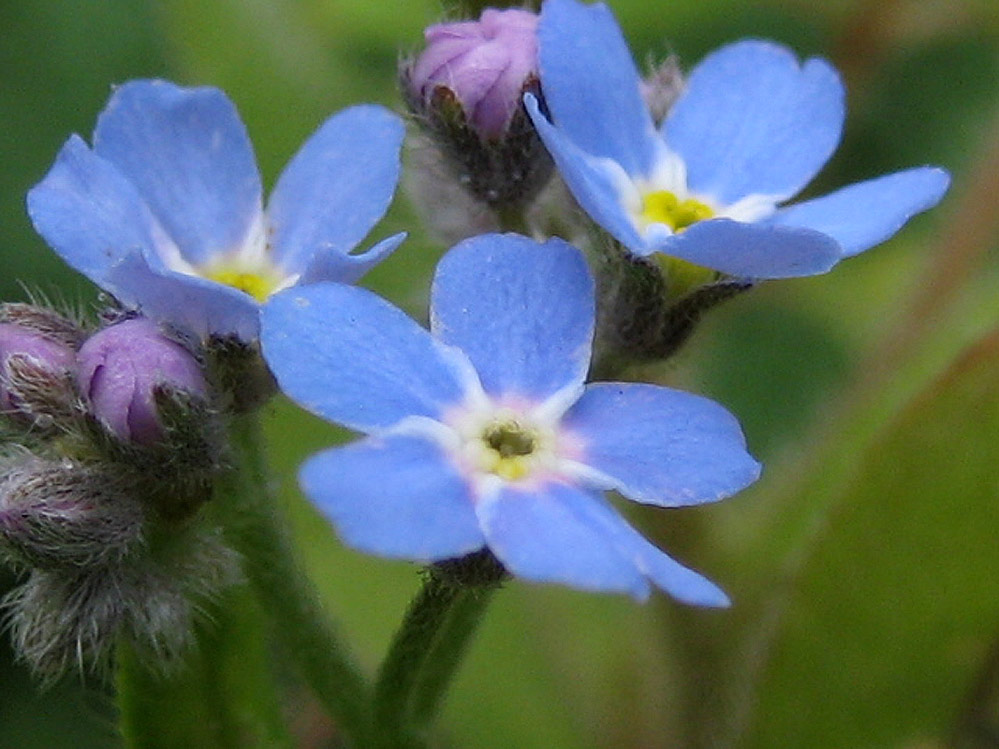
[
  {"x": 483, "y": 63},
  {"x": 467, "y": 90},
  {"x": 648, "y": 313},
  {"x": 61, "y": 619},
  {"x": 120, "y": 370},
  {"x": 43, "y": 320},
  {"x": 30, "y": 362},
  {"x": 662, "y": 87},
  {"x": 58, "y": 514}
]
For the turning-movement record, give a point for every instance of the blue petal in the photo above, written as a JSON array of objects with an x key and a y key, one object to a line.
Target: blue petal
[
  {"x": 347, "y": 268},
  {"x": 521, "y": 311},
  {"x": 589, "y": 179},
  {"x": 203, "y": 307},
  {"x": 541, "y": 533},
  {"x": 867, "y": 213},
  {"x": 90, "y": 213},
  {"x": 757, "y": 250},
  {"x": 591, "y": 86},
  {"x": 353, "y": 358},
  {"x": 337, "y": 186},
  {"x": 661, "y": 446},
  {"x": 681, "y": 582},
  {"x": 752, "y": 121},
  {"x": 188, "y": 153},
  {"x": 397, "y": 497}
]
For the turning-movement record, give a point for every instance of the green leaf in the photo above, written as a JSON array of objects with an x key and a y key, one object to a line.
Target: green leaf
[{"x": 894, "y": 608}]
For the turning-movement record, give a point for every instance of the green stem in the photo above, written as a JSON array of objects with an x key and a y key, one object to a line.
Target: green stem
[
  {"x": 428, "y": 648},
  {"x": 223, "y": 697},
  {"x": 512, "y": 219},
  {"x": 255, "y": 528}
]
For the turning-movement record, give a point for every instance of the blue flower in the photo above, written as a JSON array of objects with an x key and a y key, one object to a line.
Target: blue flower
[
  {"x": 165, "y": 211},
  {"x": 750, "y": 130},
  {"x": 481, "y": 432}
]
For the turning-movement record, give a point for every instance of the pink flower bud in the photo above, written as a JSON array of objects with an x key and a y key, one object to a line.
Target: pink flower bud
[
  {"x": 44, "y": 353},
  {"x": 485, "y": 64},
  {"x": 121, "y": 368}
]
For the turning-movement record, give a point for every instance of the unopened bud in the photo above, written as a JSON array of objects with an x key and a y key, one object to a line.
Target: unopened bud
[
  {"x": 662, "y": 87},
  {"x": 42, "y": 320},
  {"x": 467, "y": 88},
  {"x": 62, "y": 514},
  {"x": 483, "y": 63},
  {"x": 648, "y": 310},
  {"x": 74, "y": 618},
  {"x": 120, "y": 370},
  {"x": 34, "y": 370}
]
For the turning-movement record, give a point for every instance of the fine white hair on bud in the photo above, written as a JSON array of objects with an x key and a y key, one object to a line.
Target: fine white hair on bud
[
  {"x": 57, "y": 514},
  {"x": 63, "y": 620}
]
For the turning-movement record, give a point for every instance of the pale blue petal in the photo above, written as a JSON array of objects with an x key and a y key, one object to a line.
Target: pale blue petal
[
  {"x": 752, "y": 120},
  {"x": 661, "y": 446},
  {"x": 90, "y": 213},
  {"x": 589, "y": 179},
  {"x": 205, "y": 308},
  {"x": 521, "y": 311},
  {"x": 591, "y": 86},
  {"x": 541, "y": 533},
  {"x": 188, "y": 154},
  {"x": 397, "y": 497},
  {"x": 337, "y": 186},
  {"x": 757, "y": 250},
  {"x": 680, "y": 582},
  {"x": 867, "y": 213},
  {"x": 348, "y": 268},
  {"x": 353, "y": 358}
]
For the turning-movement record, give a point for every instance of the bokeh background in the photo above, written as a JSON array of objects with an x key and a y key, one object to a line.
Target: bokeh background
[{"x": 864, "y": 566}]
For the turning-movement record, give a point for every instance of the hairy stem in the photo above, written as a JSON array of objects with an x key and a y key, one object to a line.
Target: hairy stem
[
  {"x": 430, "y": 644},
  {"x": 223, "y": 697},
  {"x": 256, "y": 529}
]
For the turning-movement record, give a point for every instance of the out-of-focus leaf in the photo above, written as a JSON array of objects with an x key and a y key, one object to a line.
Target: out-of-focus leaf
[
  {"x": 895, "y": 608},
  {"x": 772, "y": 366},
  {"x": 923, "y": 107}
]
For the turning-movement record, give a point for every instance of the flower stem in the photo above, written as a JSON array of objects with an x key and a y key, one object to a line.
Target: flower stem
[
  {"x": 512, "y": 219},
  {"x": 429, "y": 646},
  {"x": 255, "y": 528},
  {"x": 223, "y": 696}
]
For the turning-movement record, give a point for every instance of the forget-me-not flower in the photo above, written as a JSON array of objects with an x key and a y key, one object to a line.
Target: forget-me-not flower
[
  {"x": 165, "y": 211},
  {"x": 481, "y": 432},
  {"x": 750, "y": 130}
]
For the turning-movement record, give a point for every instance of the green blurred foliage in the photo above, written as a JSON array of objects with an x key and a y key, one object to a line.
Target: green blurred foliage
[
  {"x": 859, "y": 565},
  {"x": 894, "y": 610}
]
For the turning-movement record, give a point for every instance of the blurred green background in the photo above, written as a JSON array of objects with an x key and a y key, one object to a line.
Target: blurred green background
[{"x": 864, "y": 566}]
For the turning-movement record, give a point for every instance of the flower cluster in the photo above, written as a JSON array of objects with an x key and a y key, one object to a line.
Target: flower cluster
[
  {"x": 112, "y": 445},
  {"x": 485, "y": 434}
]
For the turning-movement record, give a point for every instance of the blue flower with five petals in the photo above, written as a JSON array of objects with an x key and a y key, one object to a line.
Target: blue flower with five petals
[
  {"x": 750, "y": 130},
  {"x": 165, "y": 211},
  {"x": 481, "y": 432}
]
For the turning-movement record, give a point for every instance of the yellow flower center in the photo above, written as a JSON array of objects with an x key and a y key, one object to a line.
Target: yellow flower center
[
  {"x": 258, "y": 285},
  {"x": 663, "y": 207},
  {"x": 508, "y": 447}
]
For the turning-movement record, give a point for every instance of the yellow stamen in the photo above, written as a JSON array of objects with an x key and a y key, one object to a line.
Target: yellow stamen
[
  {"x": 663, "y": 207},
  {"x": 508, "y": 449},
  {"x": 256, "y": 285}
]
